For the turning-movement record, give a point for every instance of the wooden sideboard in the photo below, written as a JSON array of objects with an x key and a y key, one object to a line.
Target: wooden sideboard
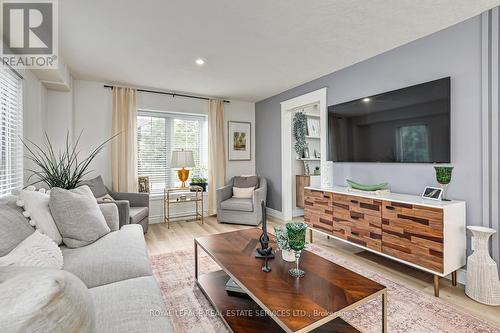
[{"x": 429, "y": 235}]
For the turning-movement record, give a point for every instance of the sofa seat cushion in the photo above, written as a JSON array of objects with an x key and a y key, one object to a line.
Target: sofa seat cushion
[
  {"x": 134, "y": 305},
  {"x": 117, "y": 256},
  {"x": 137, "y": 214},
  {"x": 237, "y": 204}
]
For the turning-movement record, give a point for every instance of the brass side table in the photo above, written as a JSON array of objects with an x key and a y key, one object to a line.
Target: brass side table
[{"x": 194, "y": 194}]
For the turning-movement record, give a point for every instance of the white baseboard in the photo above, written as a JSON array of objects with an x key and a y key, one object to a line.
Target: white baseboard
[{"x": 274, "y": 213}]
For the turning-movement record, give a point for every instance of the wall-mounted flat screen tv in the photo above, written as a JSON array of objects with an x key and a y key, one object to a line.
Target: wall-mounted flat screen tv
[{"x": 408, "y": 125}]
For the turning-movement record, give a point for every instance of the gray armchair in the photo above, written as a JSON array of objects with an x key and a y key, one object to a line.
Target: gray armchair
[
  {"x": 133, "y": 208},
  {"x": 237, "y": 210}
]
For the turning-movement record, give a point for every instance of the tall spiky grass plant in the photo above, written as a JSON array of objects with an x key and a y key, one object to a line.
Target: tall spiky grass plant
[{"x": 63, "y": 169}]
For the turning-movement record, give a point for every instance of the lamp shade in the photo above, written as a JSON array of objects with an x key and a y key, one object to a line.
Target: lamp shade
[{"x": 182, "y": 159}]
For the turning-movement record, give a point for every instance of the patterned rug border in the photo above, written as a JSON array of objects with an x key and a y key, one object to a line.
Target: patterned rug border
[{"x": 460, "y": 312}]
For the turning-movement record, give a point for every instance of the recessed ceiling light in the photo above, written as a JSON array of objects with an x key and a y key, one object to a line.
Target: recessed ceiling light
[
  {"x": 366, "y": 99},
  {"x": 200, "y": 62}
]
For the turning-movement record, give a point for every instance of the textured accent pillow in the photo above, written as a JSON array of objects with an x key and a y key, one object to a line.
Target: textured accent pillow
[
  {"x": 14, "y": 227},
  {"x": 77, "y": 215},
  {"x": 44, "y": 300},
  {"x": 36, "y": 207},
  {"x": 241, "y": 181},
  {"x": 243, "y": 192},
  {"x": 37, "y": 250}
]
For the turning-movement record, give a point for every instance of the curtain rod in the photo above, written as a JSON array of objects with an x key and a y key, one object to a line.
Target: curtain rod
[{"x": 170, "y": 94}]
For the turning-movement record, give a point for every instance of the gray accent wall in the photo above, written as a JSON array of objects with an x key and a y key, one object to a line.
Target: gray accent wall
[{"x": 456, "y": 52}]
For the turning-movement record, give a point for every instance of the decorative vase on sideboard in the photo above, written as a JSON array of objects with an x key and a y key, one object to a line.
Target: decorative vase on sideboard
[{"x": 482, "y": 285}]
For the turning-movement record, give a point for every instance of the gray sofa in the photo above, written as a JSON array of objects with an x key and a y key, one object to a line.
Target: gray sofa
[
  {"x": 133, "y": 208},
  {"x": 115, "y": 269},
  {"x": 237, "y": 210}
]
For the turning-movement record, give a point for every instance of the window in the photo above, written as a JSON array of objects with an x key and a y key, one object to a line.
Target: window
[
  {"x": 413, "y": 143},
  {"x": 11, "y": 130},
  {"x": 160, "y": 133}
]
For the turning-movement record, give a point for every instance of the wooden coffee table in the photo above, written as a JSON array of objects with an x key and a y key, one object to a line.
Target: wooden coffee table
[{"x": 276, "y": 301}]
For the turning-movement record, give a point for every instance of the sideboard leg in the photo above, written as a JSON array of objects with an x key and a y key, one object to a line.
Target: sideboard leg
[
  {"x": 454, "y": 278},
  {"x": 311, "y": 235},
  {"x": 436, "y": 285}
]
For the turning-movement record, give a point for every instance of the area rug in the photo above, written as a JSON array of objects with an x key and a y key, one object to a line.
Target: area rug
[{"x": 409, "y": 310}]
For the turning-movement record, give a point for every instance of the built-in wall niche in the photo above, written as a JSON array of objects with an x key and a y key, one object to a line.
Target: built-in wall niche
[
  {"x": 313, "y": 105},
  {"x": 306, "y": 167}
]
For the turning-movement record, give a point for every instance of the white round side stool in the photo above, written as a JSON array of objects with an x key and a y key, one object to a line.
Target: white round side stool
[{"x": 482, "y": 274}]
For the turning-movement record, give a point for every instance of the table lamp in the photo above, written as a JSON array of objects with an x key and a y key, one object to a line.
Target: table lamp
[{"x": 182, "y": 159}]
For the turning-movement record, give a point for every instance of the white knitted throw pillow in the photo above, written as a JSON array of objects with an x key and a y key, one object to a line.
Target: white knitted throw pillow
[
  {"x": 36, "y": 208},
  {"x": 37, "y": 250}
]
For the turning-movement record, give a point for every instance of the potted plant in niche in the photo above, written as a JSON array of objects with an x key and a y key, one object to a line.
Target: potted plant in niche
[
  {"x": 299, "y": 127},
  {"x": 282, "y": 240}
]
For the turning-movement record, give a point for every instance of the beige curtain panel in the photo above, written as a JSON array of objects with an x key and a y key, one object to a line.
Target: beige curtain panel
[
  {"x": 216, "y": 152},
  {"x": 124, "y": 146}
]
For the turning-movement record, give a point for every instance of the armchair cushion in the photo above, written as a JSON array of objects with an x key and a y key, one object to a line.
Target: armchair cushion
[
  {"x": 138, "y": 213},
  {"x": 237, "y": 204}
]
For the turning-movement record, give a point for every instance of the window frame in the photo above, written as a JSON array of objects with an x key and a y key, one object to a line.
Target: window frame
[
  {"x": 13, "y": 141},
  {"x": 181, "y": 116}
]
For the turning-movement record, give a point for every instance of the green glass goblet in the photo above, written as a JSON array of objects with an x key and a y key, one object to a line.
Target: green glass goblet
[
  {"x": 443, "y": 177},
  {"x": 297, "y": 241}
]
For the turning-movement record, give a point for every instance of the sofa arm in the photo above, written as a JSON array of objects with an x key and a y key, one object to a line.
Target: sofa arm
[
  {"x": 110, "y": 212},
  {"x": 224, "y": 193},
  {"x": 135, "y": 199}
]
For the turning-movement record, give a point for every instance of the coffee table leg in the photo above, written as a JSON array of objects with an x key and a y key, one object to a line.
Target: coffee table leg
[
  {"x": 384, "y": 312},
  {"x": 195, "y": 260}
]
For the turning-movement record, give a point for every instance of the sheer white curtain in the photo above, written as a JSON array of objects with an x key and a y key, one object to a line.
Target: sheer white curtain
[
  {"x": 216, "y": 152},
  {"x": 124, "y": 146}
]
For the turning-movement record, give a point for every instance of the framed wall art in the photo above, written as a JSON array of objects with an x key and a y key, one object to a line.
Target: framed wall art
[{"x": 239, "y": 137}]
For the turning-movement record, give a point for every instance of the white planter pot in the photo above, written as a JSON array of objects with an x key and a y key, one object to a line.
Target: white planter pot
[{"x": 288, "y": 255}]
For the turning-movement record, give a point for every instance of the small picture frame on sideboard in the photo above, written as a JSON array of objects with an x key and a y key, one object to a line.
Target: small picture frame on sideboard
[{"x": 432, "y": 193}]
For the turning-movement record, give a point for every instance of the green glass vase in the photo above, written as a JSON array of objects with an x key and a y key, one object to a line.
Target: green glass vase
[
  {"x": 297, "y": 241},
  {"x": 443, "y": 177}
]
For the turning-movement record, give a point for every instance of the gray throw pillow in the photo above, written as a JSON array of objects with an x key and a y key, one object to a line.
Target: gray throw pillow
[
  {"x": 44, "y": 300},
  {"x": 245, "y": 182},
  {"x": 77, "y": 216},
  {"x": 14, "y": 227}
]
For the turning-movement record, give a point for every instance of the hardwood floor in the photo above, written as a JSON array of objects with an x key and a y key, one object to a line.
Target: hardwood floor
[{"x": 180, "y": 236}]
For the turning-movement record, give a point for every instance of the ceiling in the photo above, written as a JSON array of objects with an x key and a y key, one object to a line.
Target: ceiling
[{"x": 253, "y": 49}]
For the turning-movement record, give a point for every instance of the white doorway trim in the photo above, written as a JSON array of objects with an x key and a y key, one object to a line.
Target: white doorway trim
[{"x": 287, "y": 158}]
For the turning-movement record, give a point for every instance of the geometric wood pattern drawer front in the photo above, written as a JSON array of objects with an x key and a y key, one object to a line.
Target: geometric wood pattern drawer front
[
  {"x": 358, "y": 220},
  {"x": 318, "y": 210},
  {"x": 413, "y": 233}
]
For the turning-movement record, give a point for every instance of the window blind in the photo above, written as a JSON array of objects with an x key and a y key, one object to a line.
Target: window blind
[
  {"x": 11, "y": 130},
  {"x": 160, "y": 133}
]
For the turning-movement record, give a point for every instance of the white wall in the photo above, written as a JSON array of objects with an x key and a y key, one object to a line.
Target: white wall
[
  {"x": 34, "y": 113},
  {"x": 91, "y": 104},
  {"x": 59, "y": 117}
]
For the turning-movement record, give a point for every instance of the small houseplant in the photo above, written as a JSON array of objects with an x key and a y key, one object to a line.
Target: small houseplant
[
  {"x": 282, "y": 239},
  {"x": 199, "y": 178},
  {"x": 65, "y": 168},
  {"x": 199, "y": 181},
  {"x": 317, "y": 171}
]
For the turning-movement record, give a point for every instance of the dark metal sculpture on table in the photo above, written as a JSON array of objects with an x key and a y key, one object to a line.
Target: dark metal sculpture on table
[{"x": 265, "y": 251}]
